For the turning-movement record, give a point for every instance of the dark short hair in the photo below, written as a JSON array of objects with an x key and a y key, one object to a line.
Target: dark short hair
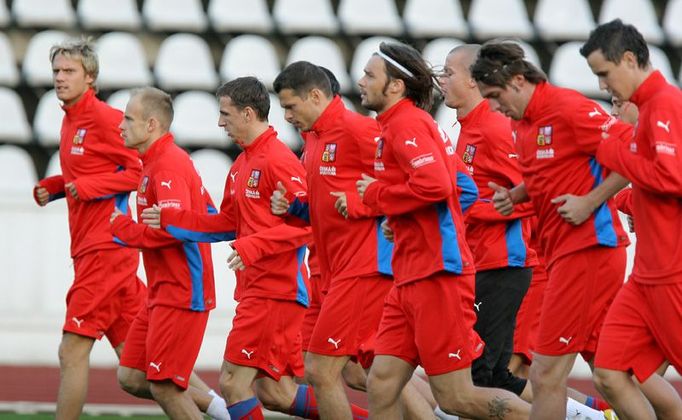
[
  {"x": 247, "y": 92},
  {"x": 419, "y": 87},
  {"x": 614, "y": 39},
  {"x": 302, "y": 77},
  {"x": 499, "y": 61},
  {"x": 333, "y": 81}
]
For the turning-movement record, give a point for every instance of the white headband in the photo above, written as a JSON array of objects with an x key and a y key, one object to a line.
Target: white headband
[{"x": 395, "y": 64}]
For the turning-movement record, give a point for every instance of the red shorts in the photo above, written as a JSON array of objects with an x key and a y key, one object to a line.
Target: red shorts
[
  {"x": 431, "y": 322},
  {"x": 266, "y": 334},
  {"x": 313, "y": 311},
  {"x": 164, "y": 342},
  {"x": 349, "y": 318},
  {"x": 528, "y": 317},
  {"x": 105, "y": 296},
  {"x": 580, "y": 289},
  {"x": 642, "y": 329}
]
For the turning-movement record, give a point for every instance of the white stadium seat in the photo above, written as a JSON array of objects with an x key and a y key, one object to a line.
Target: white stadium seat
[
  {"x": 496, "y": 18},
  {"x": 363, "y": 52},
  {"x": 213, "y": 166},
  {"x": 122, "y": 61},
  {"x": 47, "y": 121},
  {"x": 240, "y": 16},
  {"x": 54, "y": 167},
  {"x": 661, "y": 62},
  {"x": 119, "y": 99},
  {"x": 285, "y": 131},
  {"x": 196, "y": 120},
  {"x": 671, "y": 22},
  {"x": 14, "y": 126},
  {"x": 569, "y": 69},
  {"x": 36, "y": 68},
  {"x": 360, "y": 17},
  {"x": 43, "y": 13},
  {"x": 322, "y": 52},
  {"x": 640, "y": 13},
  {"x": 109, "y": 14},
  {"x": 561, "y": 20},
  {"x": 305, "y": 16},
  {"x": 435, "y": 51},
  {"x": 17, "y": 172},
  {"x": 447, "y": 120},
  {"x": 9, "y": 75},
  {"x": 5, "y": 17},
  {"x": 435, "y": 18},
  {"x": 174, "y": 15},
  {"x": 185, "y": 62},
  {"x": 250, "y": 55}
]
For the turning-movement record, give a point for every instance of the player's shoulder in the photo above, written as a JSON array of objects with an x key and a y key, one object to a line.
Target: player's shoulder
[{"x": 106, "y": 112}]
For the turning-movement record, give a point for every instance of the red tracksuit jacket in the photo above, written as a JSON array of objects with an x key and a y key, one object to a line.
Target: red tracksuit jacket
[
  {"x": 652, "y": 160},
  {"x": 273, "y": 250},
  {"x": 416, "y": 188},
  {"x": 94, "y": 158},
  {"x": 556, "y": 141},
  {"x": 486, "y": 147},
  {"x": 179, "y": 274}
]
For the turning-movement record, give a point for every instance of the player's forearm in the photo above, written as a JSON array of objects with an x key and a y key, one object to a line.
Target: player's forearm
[
  {"x": 519, "y": 194},
  {"x": 607, "y": 189}
]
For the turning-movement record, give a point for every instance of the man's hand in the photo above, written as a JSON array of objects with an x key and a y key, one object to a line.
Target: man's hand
[
  {"x": 341, "y": 204},
  {"x": 151, "y": 216},
  {"x": 575, "y": 209},
  {"x": 41, "y": 195},
  {"x": 502, "y": 199},
  {"x": 234, "y": 261},
  {"x": 363, "y": 183},
  {"x": 114, "y": 215},
  {"x": 387, "y": 231},
  {"x": 71, "y": 189},
  {"x": 279, "y": 205}
]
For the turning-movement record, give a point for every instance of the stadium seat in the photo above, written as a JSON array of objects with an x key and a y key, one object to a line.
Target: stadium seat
[
  {"x": 362, "y": 17},
  {"x": 9, "y": 75},
  {"x": 323, "y": 52},
  {"x": 36, "y": 67},
  {"x": 497, "y": 18},
  {"x": 560, "y": 20},
  {"x": 286, "y": 132},
  {"x": 196, "y": 120},
  {"x": 213, "y": 166},
  {"x": 17, "y": 172},
  {"x": 661, "y": 62},
  {"x": 435, "y": 18},
  {"x": 671, "y": 22},
  {"x": 348, "y": 103},
  {"x": 640, "y": 13},
  {"x": 47, "y": 121},
  {"x": 435, "y": 51},
  {"x": 305, "y": 17},
  {"x": 109, "y": 15},
  {"x": 447, "y": 120},
  {"x": 41, "y": 13},
  {"x": 185, "y": 62},
  {"x": 122, "y": 61},
  {"x": 569, "y": 69},
  {"x": 14, "y": 127},
  {"x": 240, "y": 16},
  {"x": 174, "y": 15},
  {"x": 362, "y": 54},
  {"x": 54, "y": 167},
  {"x": 4, "y": 14},
  {"x": 119, "y": 99},
  {"x": 250, "y": 55}
]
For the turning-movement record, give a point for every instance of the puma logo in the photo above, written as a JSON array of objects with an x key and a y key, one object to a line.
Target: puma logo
[
  {"x": 513, "y": 156},
  {"x": 665, "y": 126},
  {"x": 247, "y": 353},
  {"x": 77, "y": 321},
  {"x": 478, "y": 306},
  {"x": 594, "y": 113},
  {"x": 297, "y": 179},
  {"x": 155, "y": 366},
  {"x": 411, "y": 142},
  {"x": 167, "y": 183},
  {"x": 455, "y": 355},
  {"x": 565, "y": 340},
  {"x": 233, "y": 175},
  {"x": 334, "y": 342},
  {"x": 376, "y": 139}
]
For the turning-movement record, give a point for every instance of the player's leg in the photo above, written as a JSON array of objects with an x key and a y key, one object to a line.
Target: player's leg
[
  {"x": 623, "y": 394},
  {"x": 74, "y": 364},
  {"x": 662, "y": 395},
  {"x": 385, "y": 382},
  {"x": 354, "y": 376},
  {"x": 414, "y": 405},
  {"x": 235, "y": 385},
  {"x": 175, "y": 401},
  {"x": 323, "y": 373}
]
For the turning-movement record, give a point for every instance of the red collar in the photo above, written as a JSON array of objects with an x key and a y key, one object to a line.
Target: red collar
[
  {"x": 473, "y": 115},
  {"x": 259, "y": 142},
  {"x": 84, "y": 101},
  {"x": 653, "y": 84},
  {"x": 388, "y": 114},
  {"x": 161, "y": 144},
  {"x": 329, "y": 116},
  {"x": 537, "y": 100}
]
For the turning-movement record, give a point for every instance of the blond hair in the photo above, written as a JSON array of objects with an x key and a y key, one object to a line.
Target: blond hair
[
  {"x": 155, "y": 103},
  {"x": 79, "y": 49}
]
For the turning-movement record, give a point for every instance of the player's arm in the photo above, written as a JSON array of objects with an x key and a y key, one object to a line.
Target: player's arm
[
  {"x": 49, "y": 189},
  {"x": 576, "y": 209},
  {"x": 467, "y": 191},
  {"x": 365, "y": 134},
  {"x": 277, "y": 239}
]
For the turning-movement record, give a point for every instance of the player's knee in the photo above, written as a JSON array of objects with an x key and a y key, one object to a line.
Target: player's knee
[
  {"x": 164, "y": 390},
  {"x": 380, "y": 386},
  {"x": 355, "y": 377},
  {"x": 318, "y": 376},
  {"x": 605, "y": 380},
  {"x": 72, "y": 351},
  {"x": 128, "y": 381}
]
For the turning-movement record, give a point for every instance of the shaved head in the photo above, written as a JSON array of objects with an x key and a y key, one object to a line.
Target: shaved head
[{"x": 465, "y": 55}]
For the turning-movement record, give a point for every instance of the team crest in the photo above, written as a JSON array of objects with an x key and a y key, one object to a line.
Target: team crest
[
  {"x": 143, "y": 185},
  {"x": 469, "y": 154},
  {"x": 545, "y": 135},
  {"x": 79, "y": 138},
  {"x": 253, "y": 179},
  {"x": 329, "y": 154},
  {"x": 380, "y": 149}
]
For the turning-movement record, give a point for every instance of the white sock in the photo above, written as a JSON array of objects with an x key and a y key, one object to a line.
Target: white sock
[
  {"x": 442, "y": 415},
  {"x": 217, "y": 409},
  {"x": 576, "y": 410}
]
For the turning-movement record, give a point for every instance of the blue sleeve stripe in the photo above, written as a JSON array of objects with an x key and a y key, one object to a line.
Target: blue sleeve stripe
[
  {"x": 192, "y": 236},
  {"x": 603, "y": 220},
  {"x": 469, "y": 193},
  {"x": 302, "y": 295},
  {"x": 120, "y": 242},
  {"x": 121, "y": 202},
  {"x": 196, "y": 271},
  {"x": 452, "y": 257},
  {"x": 384, "y": 250},
  {"x": 516, "y": 246},
  {"x": 299, "y": 209}
]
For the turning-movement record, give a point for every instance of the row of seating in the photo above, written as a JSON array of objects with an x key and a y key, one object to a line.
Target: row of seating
[{"x": 552, "y": 20}]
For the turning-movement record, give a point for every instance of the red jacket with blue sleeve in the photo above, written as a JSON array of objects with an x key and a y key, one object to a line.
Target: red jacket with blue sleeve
[
  {"x": 556, "y": 142},
  {"x": 416, "y": 182},
  {"x": 652, "y": 161},
  {"x": 486, "y": 147},
  {"x": 272, "y": 249},
  {"x": 179, "y": 273},
  {"x": 94, "y": 158}
]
